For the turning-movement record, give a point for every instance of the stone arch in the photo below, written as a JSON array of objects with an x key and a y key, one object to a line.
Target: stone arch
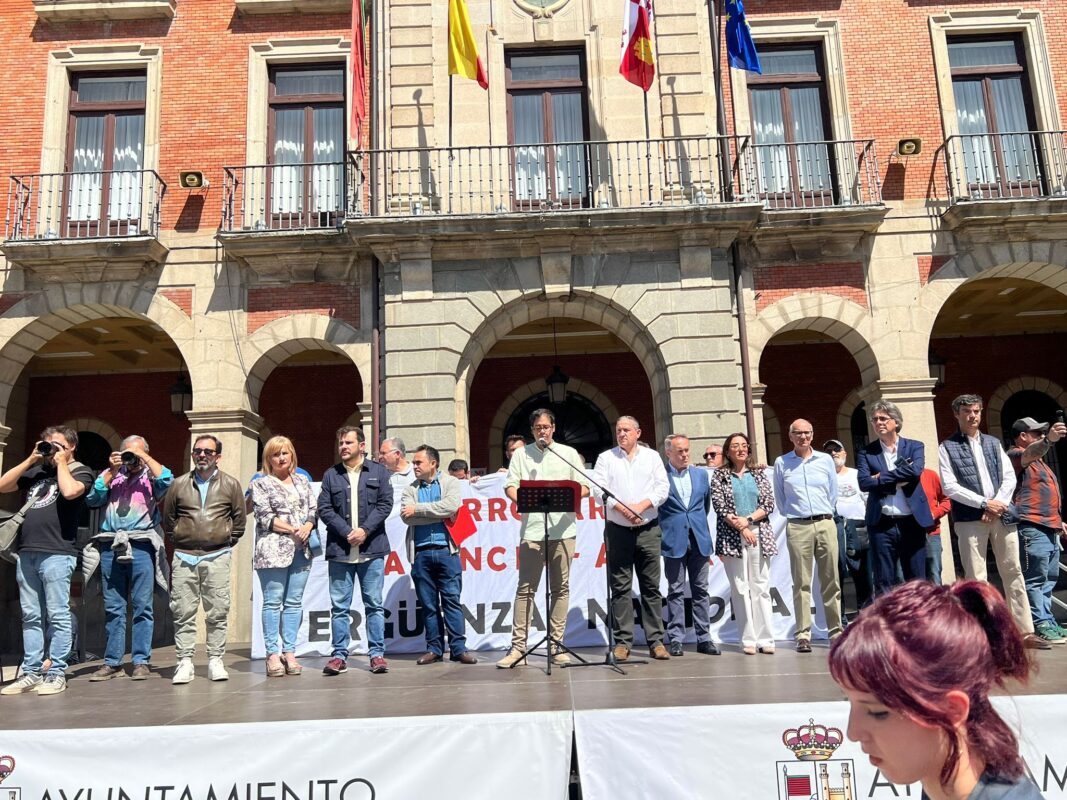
[
  {"x": 99, "y": 427},
  {"x": 583, "y": 306},
  {"x": 528, "y": 390},
  {"x": 1041, "y": 262},
  {"x": 45, "y": 314},
  {"x": 279, "y": 339},
  {"x": 836, "y": 317},
  {"x": 995, "y": 404},
  {"x": 844, "y": 419}
]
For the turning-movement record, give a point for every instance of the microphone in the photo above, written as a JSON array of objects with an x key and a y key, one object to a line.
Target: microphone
[{"x": 542, "y": 441}]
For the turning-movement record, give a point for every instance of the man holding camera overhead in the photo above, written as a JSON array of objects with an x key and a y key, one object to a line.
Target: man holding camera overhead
[
  {"x": 129, "y": 550},
  {"x": 47, "y": 556}
]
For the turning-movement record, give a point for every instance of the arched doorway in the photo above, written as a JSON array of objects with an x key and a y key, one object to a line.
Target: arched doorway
[
  {"x": 93, "y": 450},
  {"x": 579, "y": 423},
  {"x": 605, "y": 378}
]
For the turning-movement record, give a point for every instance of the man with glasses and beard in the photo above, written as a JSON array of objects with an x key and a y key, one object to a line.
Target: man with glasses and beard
[{"x": 204, "y": 513}]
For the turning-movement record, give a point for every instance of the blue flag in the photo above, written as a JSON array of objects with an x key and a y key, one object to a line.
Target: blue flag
[{"x": 739, "y": 45}]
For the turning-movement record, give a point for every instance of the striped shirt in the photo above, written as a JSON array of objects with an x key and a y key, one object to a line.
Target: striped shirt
[{"x": 1038, "y": 495}]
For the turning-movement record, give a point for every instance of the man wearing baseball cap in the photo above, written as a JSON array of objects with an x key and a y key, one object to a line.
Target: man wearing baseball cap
[{"x": 1041, "y": 526}]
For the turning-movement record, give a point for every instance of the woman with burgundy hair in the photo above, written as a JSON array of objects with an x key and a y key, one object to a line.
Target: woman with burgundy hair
[{"x": 917, "y": 666}]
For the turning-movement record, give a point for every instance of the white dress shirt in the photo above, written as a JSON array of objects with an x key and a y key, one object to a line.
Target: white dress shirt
[
  {"x": 631, "y": 481},
  {"x": 894, "y": 505},
  {"x": 961, "y": 494}
]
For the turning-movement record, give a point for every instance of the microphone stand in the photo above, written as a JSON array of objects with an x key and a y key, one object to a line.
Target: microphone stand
[{"x": 609, "y": 659}]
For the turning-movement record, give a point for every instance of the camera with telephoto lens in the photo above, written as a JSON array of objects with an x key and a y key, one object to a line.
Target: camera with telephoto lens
[
  {"x": 47, "y": 448},
  {"x": 129, "y": 459}
]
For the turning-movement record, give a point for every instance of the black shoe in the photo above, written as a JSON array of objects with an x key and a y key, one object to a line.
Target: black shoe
[
  {"x": 803, "y": 646},
  {"x": 708, "y": 649},
  {"x": 676, "y": 649}
]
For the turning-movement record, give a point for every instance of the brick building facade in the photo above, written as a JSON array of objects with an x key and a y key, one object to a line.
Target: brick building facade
[{"x": 426, "y": 292}]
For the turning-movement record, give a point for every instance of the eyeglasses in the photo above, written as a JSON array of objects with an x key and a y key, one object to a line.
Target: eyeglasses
[
  {"x": 203, "y": 451},
  {"x": 384, "y": 453},
  {"x": 543, "y": 427},
  {"x": 712, "y": 455},
  {"x": 802, "y": 433},
  {"x": 881, "y": 419}
]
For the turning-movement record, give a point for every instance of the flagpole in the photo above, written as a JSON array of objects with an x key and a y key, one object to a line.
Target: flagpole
[{"x": 715, "y": 26}]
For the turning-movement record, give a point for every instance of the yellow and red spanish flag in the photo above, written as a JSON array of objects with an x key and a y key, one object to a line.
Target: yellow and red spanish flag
[
  {"x": 359, "y": 75},
  {"x": 463, "y": 58},
  {"x": 637, "y": 64}
]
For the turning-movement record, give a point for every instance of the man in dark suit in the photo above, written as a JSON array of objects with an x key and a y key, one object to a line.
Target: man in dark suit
[
  {"x": 355, "y": 500},
  {"x": 683, "y": 519},
  {"x": 898, "y": 513}
]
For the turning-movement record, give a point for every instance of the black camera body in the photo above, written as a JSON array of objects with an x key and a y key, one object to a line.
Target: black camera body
[
  {"x": 129, "y": 459},
  {"x": 47, "y": 448}
]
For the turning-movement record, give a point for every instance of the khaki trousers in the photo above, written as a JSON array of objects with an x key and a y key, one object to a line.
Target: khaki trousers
[
  {"x": 818, "y": 540},
  {"x": 974, "y": 539},
  {"x": 207, "y": 582},
  {"x": 531, "y": 565}
]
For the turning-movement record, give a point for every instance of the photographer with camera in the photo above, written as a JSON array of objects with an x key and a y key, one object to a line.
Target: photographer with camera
[
  {"x": 47, "y": 555},
  {"x": 129, "y": 550}
]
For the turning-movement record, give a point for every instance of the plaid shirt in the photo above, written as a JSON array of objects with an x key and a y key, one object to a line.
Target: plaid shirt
[{"x": 1037, "y": 497}]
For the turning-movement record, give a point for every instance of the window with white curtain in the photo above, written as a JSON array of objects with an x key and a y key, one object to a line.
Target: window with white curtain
[
  {"x": 305, "y": 180},
  {"x": 789, "y": 126},
  {"x": 547, "y": 127},
  {"x": 994, "y": 113},
  {"x": 105, "y": 155}
]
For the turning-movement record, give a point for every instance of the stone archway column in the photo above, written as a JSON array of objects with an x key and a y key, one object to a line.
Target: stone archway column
[
  {"x": 759, "y": 391},
  {"x": 238, "y": 430},
  {"x": 915, "y": 399}
]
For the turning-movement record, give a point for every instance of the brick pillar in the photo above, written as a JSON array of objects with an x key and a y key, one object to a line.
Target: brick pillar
[{"x": 238, "y": 430}]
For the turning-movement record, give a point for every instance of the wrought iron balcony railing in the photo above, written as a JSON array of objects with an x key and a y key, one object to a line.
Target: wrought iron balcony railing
[
  {"x": 84, "y": 205},
  {"x": 285, "y": 197},
  {"x": 546, "y": 178},
  {"x": 1006, "y": 166},
  {"x": 813, "y": 174},
  {"x": 550, "y": 178}
]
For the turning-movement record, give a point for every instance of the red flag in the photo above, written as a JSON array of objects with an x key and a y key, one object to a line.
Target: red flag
[
  {"x": 359, "y": 75},
  {"x": 637, "y": 64}
]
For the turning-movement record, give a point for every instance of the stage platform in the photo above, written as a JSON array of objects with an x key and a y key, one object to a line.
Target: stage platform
[{"x": 409, "y": 690}]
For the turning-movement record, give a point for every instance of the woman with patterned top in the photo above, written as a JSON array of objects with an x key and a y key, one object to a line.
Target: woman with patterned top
[
  {"x": 284, "y": 508},
  {"x": 742, "y": 497}
]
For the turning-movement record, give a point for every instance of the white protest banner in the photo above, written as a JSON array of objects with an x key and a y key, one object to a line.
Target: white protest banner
[
  {"x": 470, "y": 756},
  {"x": 490, "y": 576},
  {"x": 785, "y": 751}
]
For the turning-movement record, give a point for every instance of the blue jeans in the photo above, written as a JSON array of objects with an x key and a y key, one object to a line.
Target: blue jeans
[
  {"x": 1039, "y": 548},
  {"x": 933, "y": 558},
  {"x": 135, "y": 579},
  {"x": 438, "y": 575},
  {"x": 44, "y": 585},
  {"x": 371, "y": 576},
  {"x": 897, "y": 543},
  {"x": 283, "y": 589}
]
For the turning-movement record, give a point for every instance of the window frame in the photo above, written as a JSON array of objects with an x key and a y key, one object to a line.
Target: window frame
[
  {"x": 307, "y": 217},
  {"x": 77, "y": 109},
  {"x": 514, "y": 87},
  {"x": 796, "y": 195}
]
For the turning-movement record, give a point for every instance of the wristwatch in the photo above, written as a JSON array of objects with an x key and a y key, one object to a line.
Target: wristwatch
[
  {"x": 750, "y": 521},
  {"x": 984, "y": 506}
]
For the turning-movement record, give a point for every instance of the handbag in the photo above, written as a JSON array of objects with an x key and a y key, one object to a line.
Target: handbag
[
  {"x": 10, "y": 527},
  {"x": 315, "y": 544}
]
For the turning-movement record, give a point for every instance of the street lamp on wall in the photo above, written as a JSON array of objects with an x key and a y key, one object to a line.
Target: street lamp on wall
[
  {"x": 181, "y": 395},
  {"x": 937, "y": 369},
  {"x": 557, "y": 381}
]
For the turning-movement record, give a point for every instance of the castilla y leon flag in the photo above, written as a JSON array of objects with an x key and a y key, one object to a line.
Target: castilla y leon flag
[
  {"x": 463, "y": 58},
  {"x": 637, "y": 64},
  {"x": 359, "y": 61}
]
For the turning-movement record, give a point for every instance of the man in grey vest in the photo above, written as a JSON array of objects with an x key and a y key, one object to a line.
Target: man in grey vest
[{"x": 979, "y": 479}]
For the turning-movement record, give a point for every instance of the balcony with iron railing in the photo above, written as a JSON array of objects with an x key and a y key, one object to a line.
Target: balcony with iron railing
[
  {"x": 554, "y": 186},
  {"x": 1020, "y": 176},
  {"x": 100, "y": 225}
]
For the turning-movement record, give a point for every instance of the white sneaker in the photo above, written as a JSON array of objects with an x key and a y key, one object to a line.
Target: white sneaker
[
  {"x": 216, "y": 671},
  {"x": 184, "y": 673},
  {"x": 53, "y": 683},
  {"x": 26, "y": 683}
]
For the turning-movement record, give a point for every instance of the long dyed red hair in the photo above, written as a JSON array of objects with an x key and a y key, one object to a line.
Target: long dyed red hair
[{"x": 920, "y": 641}]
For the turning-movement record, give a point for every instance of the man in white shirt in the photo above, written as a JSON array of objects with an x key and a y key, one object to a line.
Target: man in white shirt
[
  {"x": 637, "y": 481},
  {"x": 393, "y": 456},
  {"x": 979, "y": 479}
]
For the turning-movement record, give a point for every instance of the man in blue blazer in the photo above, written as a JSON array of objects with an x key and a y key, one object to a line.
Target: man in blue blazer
[
  {"x": 683, "y": 520},
  {"x": 355, "y": 499},
  {"x": 898, "y": 512}
]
